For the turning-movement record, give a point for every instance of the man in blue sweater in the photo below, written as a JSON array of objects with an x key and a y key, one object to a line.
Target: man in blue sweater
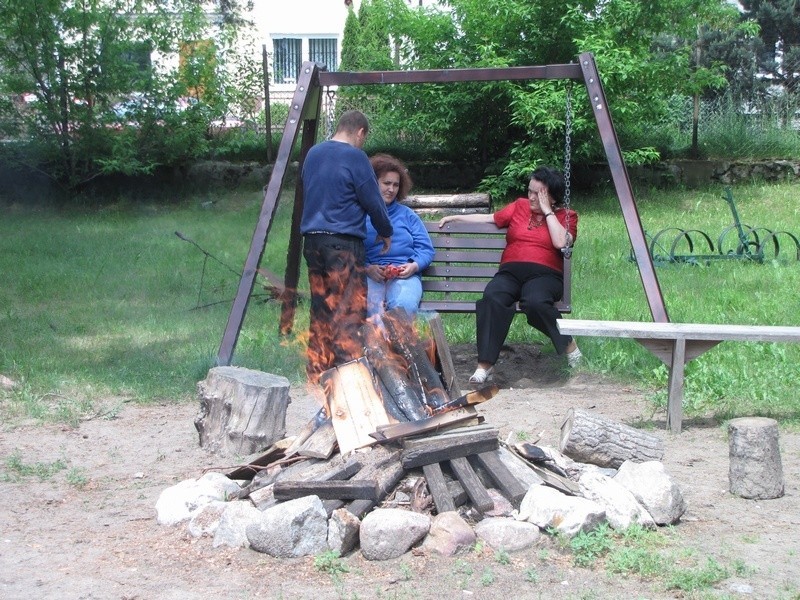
[{"x": 339, "y": 191}]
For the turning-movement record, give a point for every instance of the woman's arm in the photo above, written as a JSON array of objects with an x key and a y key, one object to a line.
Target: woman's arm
[{"x": 471, "y": 218}]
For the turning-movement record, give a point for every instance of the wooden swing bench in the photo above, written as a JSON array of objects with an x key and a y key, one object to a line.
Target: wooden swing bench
[
  {"x": 466, "y": 257},
  {"x": 675, "y": 344}
]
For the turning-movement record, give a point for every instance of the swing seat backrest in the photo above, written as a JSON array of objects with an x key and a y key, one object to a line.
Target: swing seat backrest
[{"x": 466, "y": 257}]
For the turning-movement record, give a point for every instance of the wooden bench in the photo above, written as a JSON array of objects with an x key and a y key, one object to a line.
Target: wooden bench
[
  {"x": 676, "y": 344},
  {"x": 466, "y": 257}
]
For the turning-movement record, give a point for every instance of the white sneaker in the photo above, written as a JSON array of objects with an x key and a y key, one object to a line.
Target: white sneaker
[
  {"x": 574, "y": 358},
  {"x": 481, "y": 375}
]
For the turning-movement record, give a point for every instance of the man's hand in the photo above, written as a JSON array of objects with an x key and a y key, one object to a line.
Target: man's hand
[{"x": 387, "y": 243}]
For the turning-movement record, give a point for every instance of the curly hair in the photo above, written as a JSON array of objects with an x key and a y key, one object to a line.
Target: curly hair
[{"x": 385, "y": 163}]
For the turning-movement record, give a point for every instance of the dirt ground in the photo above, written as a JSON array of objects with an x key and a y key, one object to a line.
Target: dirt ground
[{"x": 89, "y": 531}]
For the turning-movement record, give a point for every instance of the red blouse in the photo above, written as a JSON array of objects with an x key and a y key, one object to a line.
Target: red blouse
[{"x": 534, "y": 244}]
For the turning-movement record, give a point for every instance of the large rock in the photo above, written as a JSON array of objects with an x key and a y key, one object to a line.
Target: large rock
[
  {"x": 622, "y": 508},
  {"x": 507, "y": 534},
  {"x": 179, "y": 502},
  {"x": 449, "y": 534},
  {"x": 545, "y": 507},
  {"x": 654, "y": 489},
  {"x": 293, "y": 528},
  {"x": 391, "y": 532}
]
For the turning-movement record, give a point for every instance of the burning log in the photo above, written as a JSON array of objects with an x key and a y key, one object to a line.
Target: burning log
[
  {"x": 400, "y": 393},
  {"x": 400, "y": 327}
]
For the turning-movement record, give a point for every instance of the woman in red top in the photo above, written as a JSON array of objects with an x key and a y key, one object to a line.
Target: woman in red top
[{"x": 531, "y": 269}]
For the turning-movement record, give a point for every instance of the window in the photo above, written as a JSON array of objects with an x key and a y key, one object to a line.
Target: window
[
  {"x": 323, "y": 50},
  {"x": 287, "y": 59},
  {"x": 289, "y": 53}
]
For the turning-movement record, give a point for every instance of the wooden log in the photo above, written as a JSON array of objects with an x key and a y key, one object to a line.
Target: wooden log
[
  {"x": 400, "y": 327},
  {"x": 321, "y": 443},
  {"x": 755, "y": 469},
  {"x": 512, "y": 488},
  {"x": 326, "y": 490},
  {"x": 448, "y": 201},
  {"x": 480, "y": 498},
  {"x": 592, "y": 439},
  {"x": 241, "y": 411},
  {"x": 456, "y": 447},
  {"x": 438, "y": 488},
  {"x": 447, "y": 436},
  {"x": 399, "y": 390}
]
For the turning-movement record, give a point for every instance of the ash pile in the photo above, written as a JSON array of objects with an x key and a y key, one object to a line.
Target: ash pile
[{"x": 397, "y": 459}]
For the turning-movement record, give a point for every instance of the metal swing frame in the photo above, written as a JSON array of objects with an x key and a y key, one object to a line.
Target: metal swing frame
[{"x": 304, "y": 116}]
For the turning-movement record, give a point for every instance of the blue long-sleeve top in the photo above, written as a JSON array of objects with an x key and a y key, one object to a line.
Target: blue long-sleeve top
[
  {"x": 339, "y": 190},
  {"x": 409, "y": 242}
]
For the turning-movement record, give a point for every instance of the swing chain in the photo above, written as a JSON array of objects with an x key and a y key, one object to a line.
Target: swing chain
[
  {"x": 567, "y": 250},
  {"x": 330, "y": 96}
]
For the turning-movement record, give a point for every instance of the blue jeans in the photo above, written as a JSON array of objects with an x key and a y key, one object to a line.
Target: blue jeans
[{"x": 394, "y": 293}]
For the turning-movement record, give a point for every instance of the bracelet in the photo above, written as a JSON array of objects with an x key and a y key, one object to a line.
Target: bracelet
[{"x": 549, "y": 214}]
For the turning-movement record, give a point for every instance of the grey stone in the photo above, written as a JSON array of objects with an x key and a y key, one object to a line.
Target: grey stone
[
  {"x": 179, "y": 502},
  {"x": 449, "y": 534},
  {"x": 654, "y": 489},
  {"x": 508, "y": 534},
  {"x": 622, "y": 508},
  {"x": 390, "y": 532},
  {"x": 546, "y": 507},
  {"x": 343, "y": 529},
  {"x": 293, "y": 528}
]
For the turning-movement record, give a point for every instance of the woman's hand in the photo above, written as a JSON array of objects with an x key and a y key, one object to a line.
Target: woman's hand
[
  {"x": 445, "y": 220},
  {"x": 375, "y": 272},
  {"x": 407, "y": 270},
  {"x": 545, "y": 201}
]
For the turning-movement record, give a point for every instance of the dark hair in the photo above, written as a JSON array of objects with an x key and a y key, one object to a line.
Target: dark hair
[
  {"x": 385, "y": 163},
  {"x": 351, "y": 121},
  {"x": 553, "y": 180}
]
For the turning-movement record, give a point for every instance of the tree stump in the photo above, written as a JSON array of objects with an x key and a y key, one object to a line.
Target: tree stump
[
  {"x": 755, "y": 458},
  {"x": 241, "y": 411},
  {"x": 591, "y": 439}
]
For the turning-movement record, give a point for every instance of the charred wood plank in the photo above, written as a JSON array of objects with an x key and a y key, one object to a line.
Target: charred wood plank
[
  {"x": 326, "y": 490},
  {"x": 321, "y": 443},
  {"x": 387, "y": 475},
  {"x": 438, "y": 488},
  {"x": 511, "y": 487},
  {"x": 452, "y": 447},
  {"x": 305, "y": 433},
  {"x": 480, "y": 430},
  {"x": 395, "y": 382},
  {"x": 472, "y": 484},
  {"x": 274, "y": 453},
  {"x": 402, "y": 430},
  {"x": 444, "y": 358}
]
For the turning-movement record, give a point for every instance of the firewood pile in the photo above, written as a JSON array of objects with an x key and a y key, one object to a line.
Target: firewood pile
[{"x": 394, "y": 431}]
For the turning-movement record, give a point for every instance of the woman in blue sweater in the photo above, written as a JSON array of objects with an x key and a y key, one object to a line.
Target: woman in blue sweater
[{"x": 393, "y": 279}]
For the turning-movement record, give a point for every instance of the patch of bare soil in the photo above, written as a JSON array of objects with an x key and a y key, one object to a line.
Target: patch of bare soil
[{"x": 101, "y": 540}]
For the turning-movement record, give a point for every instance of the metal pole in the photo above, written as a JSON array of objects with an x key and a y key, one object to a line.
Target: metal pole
[{"x": 267, "y": 112}]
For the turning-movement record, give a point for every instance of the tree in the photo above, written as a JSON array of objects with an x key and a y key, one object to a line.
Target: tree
[{"x": 79, "y": 59}]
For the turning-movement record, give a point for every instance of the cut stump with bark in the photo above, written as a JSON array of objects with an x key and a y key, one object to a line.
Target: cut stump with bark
[
  {"x": 241, "y": 411},
  {"x": 755, "y": 458},
  {"x": 592, "y": 439}
]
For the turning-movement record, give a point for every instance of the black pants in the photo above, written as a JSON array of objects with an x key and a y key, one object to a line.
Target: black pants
[
  {"x": 537, "y": 289},
  {"x": 338, "y": 284}
]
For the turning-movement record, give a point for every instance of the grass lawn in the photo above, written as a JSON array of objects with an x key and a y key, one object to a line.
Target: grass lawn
[{"x": 108, "y": 303}]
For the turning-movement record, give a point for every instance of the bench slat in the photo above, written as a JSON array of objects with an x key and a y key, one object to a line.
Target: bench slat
[
  {"x": 466, "y": 257},
  {"x": 692, "y": 331}
]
